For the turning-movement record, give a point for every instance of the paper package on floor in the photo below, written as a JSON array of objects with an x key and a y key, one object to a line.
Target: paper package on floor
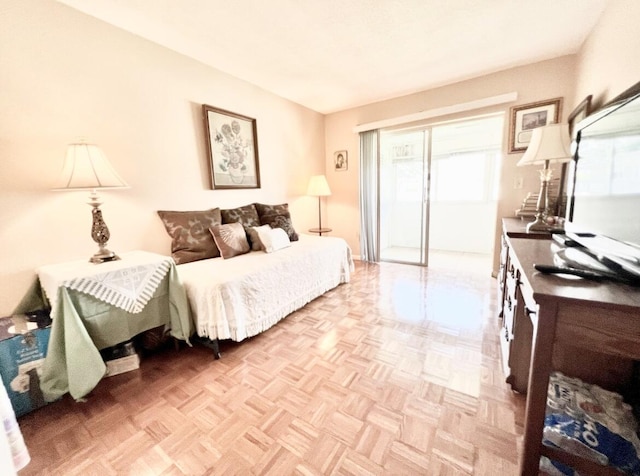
[
  {"x": 555, "y": 468},
  {"x": 591, "y": 422}
]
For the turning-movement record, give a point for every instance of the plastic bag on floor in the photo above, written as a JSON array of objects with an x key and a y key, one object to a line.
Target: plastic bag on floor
[
  {"x": 555, "y": 468},
  {"x": 591, "y": 422}
]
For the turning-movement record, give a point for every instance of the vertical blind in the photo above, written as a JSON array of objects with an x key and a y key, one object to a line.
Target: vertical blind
[{"x": 369, "y": 163}]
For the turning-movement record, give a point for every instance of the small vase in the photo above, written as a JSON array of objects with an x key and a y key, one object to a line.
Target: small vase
[{"x": 237, "y": 175}]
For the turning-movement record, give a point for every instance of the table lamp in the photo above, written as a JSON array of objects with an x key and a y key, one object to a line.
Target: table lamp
[
  {"x": 549, "y": 144},
  {"x": 87, "y": 168},
  {"x": 318, "y": 187}
]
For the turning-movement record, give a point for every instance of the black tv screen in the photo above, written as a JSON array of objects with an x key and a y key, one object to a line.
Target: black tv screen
[{"x": 604, "y": 212}]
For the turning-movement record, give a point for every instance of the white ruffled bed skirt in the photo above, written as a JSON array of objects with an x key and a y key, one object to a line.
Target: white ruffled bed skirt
[{"x": 245, "y": 295}]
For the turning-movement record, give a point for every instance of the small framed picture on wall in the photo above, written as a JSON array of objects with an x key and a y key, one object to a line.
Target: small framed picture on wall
[
  {"x": 525, "y": 118},
  {"x": 341, "y": 161}
]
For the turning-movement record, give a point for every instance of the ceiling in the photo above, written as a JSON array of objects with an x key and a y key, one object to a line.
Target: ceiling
[{"x": 330, "y": 55}]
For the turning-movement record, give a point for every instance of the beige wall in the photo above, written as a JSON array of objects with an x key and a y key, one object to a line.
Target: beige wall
[
  {"x": 63, "y": 75},
  {"x": 609, "y": 61},
  {"x": 535, "y": 82}
]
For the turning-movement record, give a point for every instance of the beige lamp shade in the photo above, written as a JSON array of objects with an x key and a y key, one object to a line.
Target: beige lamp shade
[
  {"x": 87, "y": 168},
  {"x": 318, "y": 186},
  {"x": 548, "y": 143}
]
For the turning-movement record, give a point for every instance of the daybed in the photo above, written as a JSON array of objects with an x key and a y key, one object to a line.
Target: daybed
[{"x": 265, "y": 271}]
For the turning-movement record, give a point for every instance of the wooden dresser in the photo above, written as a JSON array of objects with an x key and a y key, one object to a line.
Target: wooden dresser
[
  {"x": 512, "y": 308},
  {"x": 585, "y": 329}
]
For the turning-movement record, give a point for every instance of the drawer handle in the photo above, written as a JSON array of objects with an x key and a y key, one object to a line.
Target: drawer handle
[
  {"x": 506, "y": 334},
  {"x": 528, "y": 312}
]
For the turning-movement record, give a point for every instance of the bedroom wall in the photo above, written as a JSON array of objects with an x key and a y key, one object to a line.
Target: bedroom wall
[
  {"x": 65, "y": 75},
  {"x": 608, "y": 62},
  {"x": 534, "y": 82}
]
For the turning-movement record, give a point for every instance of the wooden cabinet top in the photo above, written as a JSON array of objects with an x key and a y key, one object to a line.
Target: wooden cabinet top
[
  {"x": 528, "y": 252},
  {"x": 517, "y": 228}
]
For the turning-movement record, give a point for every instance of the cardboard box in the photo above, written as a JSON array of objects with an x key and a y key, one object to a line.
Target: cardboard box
[
  {"x": 23, "y": 348},
  {"x": 120, "y": 358},
  {"x": 122, "y": 365}
]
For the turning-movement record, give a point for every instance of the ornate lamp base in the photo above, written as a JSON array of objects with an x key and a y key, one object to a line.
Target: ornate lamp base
[
  {"x": 542, "y": 206},
  {"x": 539, "y": 225},
  {"x": 99, "y": 232},
  {"x": 103, "y": 255}
]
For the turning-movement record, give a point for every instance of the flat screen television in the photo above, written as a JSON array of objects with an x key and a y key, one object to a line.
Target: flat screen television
[{"x": 603, "y": 212}]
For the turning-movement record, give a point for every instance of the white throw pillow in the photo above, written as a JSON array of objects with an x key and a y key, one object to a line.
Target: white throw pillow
[{"x": 273, "y": 239}]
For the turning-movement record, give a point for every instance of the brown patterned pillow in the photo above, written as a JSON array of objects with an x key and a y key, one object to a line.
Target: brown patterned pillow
[
  {"x": 281, "y": 221},
  {"x": 189, "y": 231},
  {"x": 254, "y": 237},
  {"x": 272, "y": 209},
  {"x": 231, "y": 239},
  {"x": 247, "y": 215}
]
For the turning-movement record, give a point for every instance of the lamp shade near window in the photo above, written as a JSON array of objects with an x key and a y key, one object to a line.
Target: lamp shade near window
[
  {"x": 86, "y": 167},
  {"x": 549, "y": 144},
  {"x": 318, "y": 187}
]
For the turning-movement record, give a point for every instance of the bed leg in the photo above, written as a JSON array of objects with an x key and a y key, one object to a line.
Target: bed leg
[
  {"x": 213, "y": 344},
  {"x": 216, "y": 348}
]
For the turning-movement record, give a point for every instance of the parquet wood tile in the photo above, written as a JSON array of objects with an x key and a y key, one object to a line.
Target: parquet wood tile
[{"x": 397, "y": 372}]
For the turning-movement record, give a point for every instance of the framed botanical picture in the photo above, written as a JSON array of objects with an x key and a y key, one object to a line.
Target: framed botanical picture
[
  {"x": 341, "y": 161},
  {"x": 523, "y": 119},
  {"x": 232, "y": 145},
  {"x": 581, "y": 111}
]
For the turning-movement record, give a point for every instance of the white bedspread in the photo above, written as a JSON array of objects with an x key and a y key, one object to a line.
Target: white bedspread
[{"x": 245, "y": 295}]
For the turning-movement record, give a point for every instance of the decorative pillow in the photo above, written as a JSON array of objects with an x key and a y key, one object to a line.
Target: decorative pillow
[
  {"x": 272, "y": 209},
  {"x": 254, "y": 238},
  {"x": 231, "y": 239},
  {"x": 247, "y": 215},
  {"x": 273, "y": 239},
  {"x": 280, "y": 221},
  {"x": 189, "y": 230}
]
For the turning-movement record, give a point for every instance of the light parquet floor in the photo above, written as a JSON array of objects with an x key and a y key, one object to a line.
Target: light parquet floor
[{"x": 397, "y": 372}]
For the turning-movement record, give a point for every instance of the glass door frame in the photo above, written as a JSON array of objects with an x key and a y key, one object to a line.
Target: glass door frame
[
  {"x": 426, "y": 131},
  {"x": 428, "y": 153}
]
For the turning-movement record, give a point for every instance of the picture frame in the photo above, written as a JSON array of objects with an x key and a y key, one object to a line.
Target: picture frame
[
  {"x": 341, "y": 161},
  {"x": 232, "y": 147},
  {"x": 581, "y": 111},
  {"x": 526, "y": 117}
]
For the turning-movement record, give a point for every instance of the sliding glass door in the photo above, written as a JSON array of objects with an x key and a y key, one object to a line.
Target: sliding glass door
[
  {"x": 438, "y": 190},
  {"x": 403, "y": 196}
]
